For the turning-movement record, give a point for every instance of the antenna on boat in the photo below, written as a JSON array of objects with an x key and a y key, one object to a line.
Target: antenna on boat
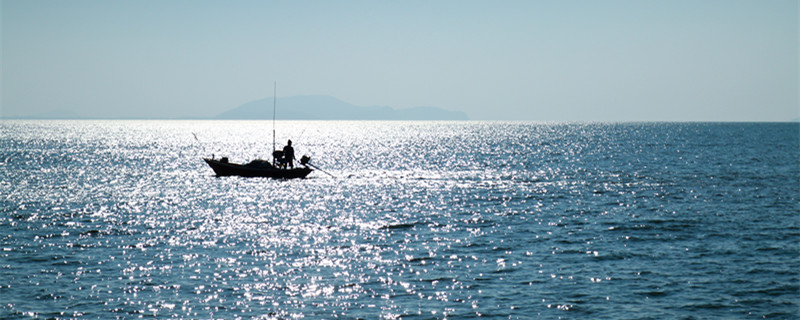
[{"x": 274, "y": 102}]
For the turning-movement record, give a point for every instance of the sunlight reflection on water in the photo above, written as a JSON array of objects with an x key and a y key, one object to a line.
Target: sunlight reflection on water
[{"x": 423, "y": 220}]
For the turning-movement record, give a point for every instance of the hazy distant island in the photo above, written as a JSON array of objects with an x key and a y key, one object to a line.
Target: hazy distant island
[{"x": 321, "y": 107}]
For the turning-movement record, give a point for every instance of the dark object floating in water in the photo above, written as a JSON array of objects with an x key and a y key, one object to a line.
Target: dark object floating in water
[
  {"x": 256, "y": 168},
  {"x": 399, "y": 226}
]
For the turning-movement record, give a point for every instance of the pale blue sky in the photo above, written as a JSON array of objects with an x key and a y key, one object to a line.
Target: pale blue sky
[{"x": 668, "y": 60}]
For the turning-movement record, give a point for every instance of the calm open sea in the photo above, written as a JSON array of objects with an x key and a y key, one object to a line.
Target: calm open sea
[{"x": 423, "y": 220}]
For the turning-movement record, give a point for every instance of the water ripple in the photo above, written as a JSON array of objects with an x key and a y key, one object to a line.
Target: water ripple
[{"x": 121, "y": 219}]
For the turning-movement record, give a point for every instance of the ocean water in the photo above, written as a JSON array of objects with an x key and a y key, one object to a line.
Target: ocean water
[{"x": 413, "y": 220}]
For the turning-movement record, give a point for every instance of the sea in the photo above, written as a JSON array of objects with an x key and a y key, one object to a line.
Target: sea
[{"x": 401, "y": 220}]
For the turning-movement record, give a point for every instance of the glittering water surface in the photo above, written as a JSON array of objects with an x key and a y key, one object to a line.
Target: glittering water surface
[{"x": 424, "y": 220}]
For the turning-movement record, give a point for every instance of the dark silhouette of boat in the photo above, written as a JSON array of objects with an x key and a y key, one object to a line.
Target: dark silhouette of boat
[
  {"x": 256, "y": 168},
  {"x": 262, "y": 168}
]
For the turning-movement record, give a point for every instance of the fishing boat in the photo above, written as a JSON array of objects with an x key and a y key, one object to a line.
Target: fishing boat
[
  {"x": 262, "y": 168},
  {"x": 257, "y": 168}
]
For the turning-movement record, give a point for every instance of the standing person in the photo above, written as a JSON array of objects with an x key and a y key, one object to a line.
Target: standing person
[{"x": 288, "y": 154}]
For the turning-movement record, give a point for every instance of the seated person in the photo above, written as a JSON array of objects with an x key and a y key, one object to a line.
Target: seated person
[{"x": 277, "y": 159}]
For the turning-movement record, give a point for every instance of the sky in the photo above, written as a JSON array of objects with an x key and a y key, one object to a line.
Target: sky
[{"x": 634, "y": 60}]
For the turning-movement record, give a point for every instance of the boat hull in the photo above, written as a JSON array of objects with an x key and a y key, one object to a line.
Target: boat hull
[{"x": 249, "y": 170}]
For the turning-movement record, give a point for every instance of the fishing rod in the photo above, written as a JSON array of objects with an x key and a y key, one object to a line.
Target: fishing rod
[
  {"x": 318, "y": 168},
  {"x": 205, "y": 147},
  {"x": 304, "y": 160}
]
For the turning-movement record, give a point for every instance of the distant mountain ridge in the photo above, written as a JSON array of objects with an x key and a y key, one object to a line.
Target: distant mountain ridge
[{"x": 321, "y": 107}]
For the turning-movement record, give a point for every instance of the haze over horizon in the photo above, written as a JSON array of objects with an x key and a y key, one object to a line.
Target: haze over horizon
[{"x": 511, "y": 60}]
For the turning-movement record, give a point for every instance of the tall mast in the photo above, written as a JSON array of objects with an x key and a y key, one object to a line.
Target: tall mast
[{"x": 274, "y": 102}]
